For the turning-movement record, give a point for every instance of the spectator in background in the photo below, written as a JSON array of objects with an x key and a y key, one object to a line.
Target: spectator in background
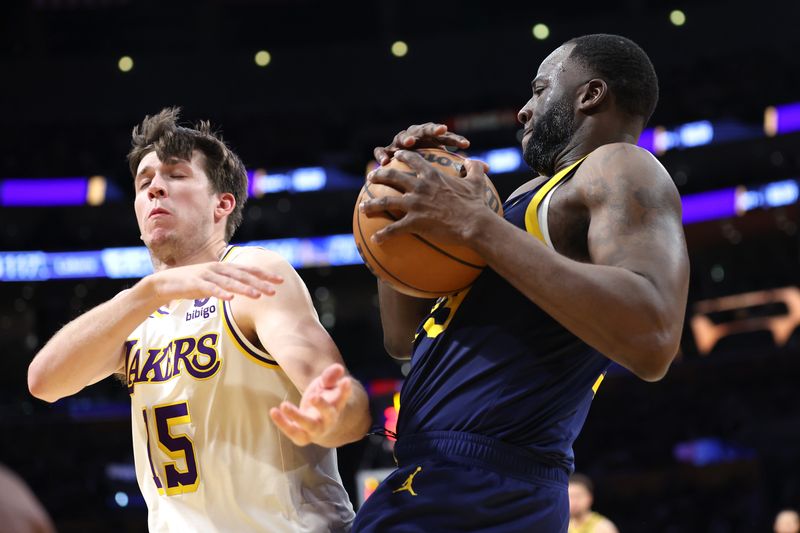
[
  {"x": 581, "y": 517},
  {"x": 20, "y": 510},
  {"x": 787, "y": 521}
]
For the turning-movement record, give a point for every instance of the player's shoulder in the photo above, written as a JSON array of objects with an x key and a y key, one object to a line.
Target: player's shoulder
[
  {"x": 620, "y": 167},
  {"x": 623, "y": 159},
  {"x": 605, "y": 526},
  {"x": 259, "y": 257}
]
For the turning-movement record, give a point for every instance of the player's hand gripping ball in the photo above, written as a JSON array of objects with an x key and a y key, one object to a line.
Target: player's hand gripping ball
[{"x": 412, "y": 264}]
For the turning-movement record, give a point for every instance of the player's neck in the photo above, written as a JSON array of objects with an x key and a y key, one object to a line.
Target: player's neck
[
  {"x": 580, "y": 519},
  {"x": 587, "y": 140},
  {"x": 208, "y": 252}
]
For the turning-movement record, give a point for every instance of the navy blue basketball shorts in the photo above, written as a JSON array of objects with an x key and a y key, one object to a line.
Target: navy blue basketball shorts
[{"x": 460, "y": 482}]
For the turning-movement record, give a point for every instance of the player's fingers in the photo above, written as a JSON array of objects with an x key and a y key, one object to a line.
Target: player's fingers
[
  {"x": 382, "y": 154},
  {"x": 231, "y": 284},
  {"x": 344, "y": 389},
  {"x": 383, "y": 206},
  {"x": 453, "y": 139},
  {"x": 427, "y": 130},
  {"x": 295, "y": 434},
  {"x": 415, "y": 161},
  {"x": 404, "y": 225},
  {"x": 256, "y": 272},
  {"x": 331, "y": 375},
  {"x": 328, "y": 412},
  {"x": 249, "y": 277},
  {"x": 209, "y": 288},
  {"x": 402, "y": 180},
  {"x": 476, "y": 169},
  {"x": 431, "y": 131},
  {"x": 303, "y": 419}
]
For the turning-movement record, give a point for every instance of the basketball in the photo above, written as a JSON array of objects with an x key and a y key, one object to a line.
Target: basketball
[{"x": 409, "y": 263}]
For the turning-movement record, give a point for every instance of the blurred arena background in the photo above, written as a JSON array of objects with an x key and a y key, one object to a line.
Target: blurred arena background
[{"x": 714, "y": 447}]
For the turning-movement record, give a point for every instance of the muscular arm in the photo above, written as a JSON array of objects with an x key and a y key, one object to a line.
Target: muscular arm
[
  {"x": 400, "y": 317},
  {"x": 288, "y": 328},
  {"x": 629, "y": 302}
]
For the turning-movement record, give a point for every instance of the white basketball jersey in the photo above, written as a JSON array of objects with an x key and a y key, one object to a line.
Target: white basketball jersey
[{"x": 208, "y": 456}]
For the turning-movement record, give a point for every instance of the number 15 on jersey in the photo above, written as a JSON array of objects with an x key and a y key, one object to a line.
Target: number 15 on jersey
[{"x": 169, "y": 478}]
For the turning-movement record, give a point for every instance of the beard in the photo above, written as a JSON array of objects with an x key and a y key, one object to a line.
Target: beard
[{"x": 549, "y": 137}]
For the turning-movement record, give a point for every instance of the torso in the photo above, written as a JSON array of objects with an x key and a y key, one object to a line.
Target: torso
[
  {"x": 489, "y": 361},
  {"x": 207, "y": 455}
]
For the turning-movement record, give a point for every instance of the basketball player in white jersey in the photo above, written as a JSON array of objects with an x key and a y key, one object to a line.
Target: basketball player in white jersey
[{"x": 213, "y": 341}]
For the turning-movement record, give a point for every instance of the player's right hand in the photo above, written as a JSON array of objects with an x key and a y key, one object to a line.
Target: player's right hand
[
  {"x": 428, "y": 135},
  {"x": 220, "y": 280}
]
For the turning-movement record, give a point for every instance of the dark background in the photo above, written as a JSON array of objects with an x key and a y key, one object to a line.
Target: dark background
[{"x": 331, "y": 93}]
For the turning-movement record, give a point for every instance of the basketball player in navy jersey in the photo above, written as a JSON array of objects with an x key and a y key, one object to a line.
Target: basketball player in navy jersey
[{"x": 587, "y": 266}]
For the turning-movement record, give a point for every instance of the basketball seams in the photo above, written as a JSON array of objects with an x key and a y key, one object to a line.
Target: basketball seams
[
  {"x": 422, "y": 239},
  {"x": 433, "y": 294}
]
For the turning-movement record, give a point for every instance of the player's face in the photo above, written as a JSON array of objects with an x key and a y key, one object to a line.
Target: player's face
[
  {"x": 549, "y": 115},
  {"x": 174, "y": 202},
  {"x": 580, "y": 500}
]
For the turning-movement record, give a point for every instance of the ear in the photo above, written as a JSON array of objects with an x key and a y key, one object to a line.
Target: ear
[
  {"x": 225, "y": 206},
  {"x": 593, "y": 95}
]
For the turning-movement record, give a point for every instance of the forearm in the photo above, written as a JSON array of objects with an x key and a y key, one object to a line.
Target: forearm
[
  {"x": 354, "y": 421},
  {"x": 90, "y": 347},
  {"x": 400, "y": 316},
  {"x": 614, "y": 310}
]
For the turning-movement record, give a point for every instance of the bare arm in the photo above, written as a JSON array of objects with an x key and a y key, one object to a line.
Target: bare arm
[
  {"x": 400, "y": 317},
  {"x": 90, "y": 347},
  {"x": 629, "y": 302},
  {"x": 401, "y": 314},
  {"x": 334, "y": 409}
]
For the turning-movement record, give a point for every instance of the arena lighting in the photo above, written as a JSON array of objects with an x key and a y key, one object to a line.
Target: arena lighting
[
  {"x": 782, "y": 119},
  {"x": 540, "y": 31},
  {"x": 96, "y": 190},
  {"x": 340, "y": 250},
  {"x": 399, "y": 48},
  {"x": 125, "y": 63},
  {"x": 677, "y": 17},
  {"x": 134, "y": 262},
  {"x": 21, "y": 192},
  {"x": 262, "y": 58},
  {"x": 778, "y": 120},
  {"x": 709, "y": 327}
]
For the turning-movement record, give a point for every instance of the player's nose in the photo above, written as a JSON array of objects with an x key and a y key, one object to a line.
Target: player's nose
[
  {"x": 524, "y": 115},
  {"x": 156, "y": 188}
]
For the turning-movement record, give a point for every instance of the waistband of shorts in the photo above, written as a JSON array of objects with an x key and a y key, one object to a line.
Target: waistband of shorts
[{"x": 477, "y": 450}]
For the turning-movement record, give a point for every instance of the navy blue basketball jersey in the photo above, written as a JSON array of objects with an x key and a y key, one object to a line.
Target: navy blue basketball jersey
[{"x": 489, "y": 361}]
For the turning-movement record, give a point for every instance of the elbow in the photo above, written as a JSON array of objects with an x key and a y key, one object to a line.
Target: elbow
[
  {"x": 651, "y": 363},
  {"x": 400, "y": 350},
  {"x": 38, "y": 386}
]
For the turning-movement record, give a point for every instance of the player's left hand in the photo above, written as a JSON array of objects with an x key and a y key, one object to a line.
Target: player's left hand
[
  {"x": 320, "y": 407},
  {"x": 446, "y": 208}
]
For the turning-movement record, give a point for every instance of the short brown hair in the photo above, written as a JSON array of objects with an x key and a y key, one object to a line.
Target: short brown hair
[
  {"x": 162, "y": 134},
  {"x": 580, "y": 479}
]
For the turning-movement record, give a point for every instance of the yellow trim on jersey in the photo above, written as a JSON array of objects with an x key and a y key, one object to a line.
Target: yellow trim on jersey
[
  {"x": 531, "y": 213},
  {"x": 254, "y": 354},
  {"x": 241, "y": 342},
  {"x": 598, "y": 382},
  {"x": 227, "y": 253},
  {"x": 452, "y": 302}
]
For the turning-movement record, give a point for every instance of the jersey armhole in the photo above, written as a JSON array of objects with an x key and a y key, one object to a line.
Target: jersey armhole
[{"x": 242, "y": 343}]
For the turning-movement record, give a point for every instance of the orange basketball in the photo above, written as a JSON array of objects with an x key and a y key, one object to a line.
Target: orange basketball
[{"x": 411, "y": 264}]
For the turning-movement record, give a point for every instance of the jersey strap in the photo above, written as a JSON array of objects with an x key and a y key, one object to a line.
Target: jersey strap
[{"x": 531, "y": 219}]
